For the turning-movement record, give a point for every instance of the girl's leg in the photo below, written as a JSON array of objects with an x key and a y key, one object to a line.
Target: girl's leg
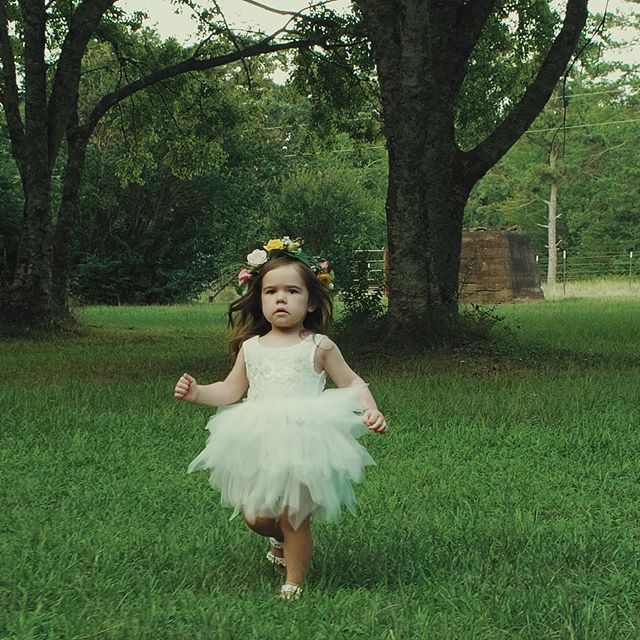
[
  {"x": 298, "y": 547},
  {"x": 268, "y": 527}
]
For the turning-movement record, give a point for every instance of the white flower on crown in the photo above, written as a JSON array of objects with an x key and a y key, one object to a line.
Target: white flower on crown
[{"x": 257, "y": 257}]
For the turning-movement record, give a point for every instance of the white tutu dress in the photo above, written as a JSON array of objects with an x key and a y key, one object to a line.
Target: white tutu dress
[{"x": 291, "y": 443}]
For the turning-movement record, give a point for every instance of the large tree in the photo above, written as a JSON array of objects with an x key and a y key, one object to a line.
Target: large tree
[
  {"x": 422, "y": 51},
  {"x": 42, "y": 45}
]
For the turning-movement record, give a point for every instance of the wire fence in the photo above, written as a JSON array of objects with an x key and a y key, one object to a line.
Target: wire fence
[
  {"x": 375, "y": 265},
  {"x": 591, "y": 265},
  {"x": 570, "y": 266}
]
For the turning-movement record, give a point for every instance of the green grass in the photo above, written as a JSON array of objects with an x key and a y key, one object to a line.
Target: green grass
[
  {"x": 606, "y": 287},
  {"x": 505, "y": 503}
]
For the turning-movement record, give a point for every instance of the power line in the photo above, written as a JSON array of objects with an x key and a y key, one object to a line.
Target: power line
[
  {"x": 302, "y": 125},
  {"x": 594, "y": 93},
  {"x": 319, "y": 153},
  {"x": 382, "y": 146},
  {"x": 585, "y": 126},
  {"x": 572, "y": 126}
]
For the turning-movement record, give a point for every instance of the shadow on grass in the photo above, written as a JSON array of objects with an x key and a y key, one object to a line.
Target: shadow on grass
[{"x": 471, "y": 352}]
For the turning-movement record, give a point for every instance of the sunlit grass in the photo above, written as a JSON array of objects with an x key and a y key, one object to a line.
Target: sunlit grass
[
  {"x": 504, "y": 504},
  {"x": 594, "y": 288}
]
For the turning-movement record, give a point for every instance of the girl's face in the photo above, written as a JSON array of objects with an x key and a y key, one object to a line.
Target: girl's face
[{"x": 285, "y": 298}]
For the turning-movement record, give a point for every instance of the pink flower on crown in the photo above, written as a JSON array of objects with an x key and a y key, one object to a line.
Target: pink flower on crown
[
  {"x": 323, "y": 264},
  {"x": 244, "y": 276}
]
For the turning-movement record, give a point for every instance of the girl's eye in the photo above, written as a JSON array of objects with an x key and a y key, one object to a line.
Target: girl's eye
[{"x": 293, "y": 291}]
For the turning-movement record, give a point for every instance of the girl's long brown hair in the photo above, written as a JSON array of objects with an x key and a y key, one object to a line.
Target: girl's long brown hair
[{"x": 245, "y": 313}]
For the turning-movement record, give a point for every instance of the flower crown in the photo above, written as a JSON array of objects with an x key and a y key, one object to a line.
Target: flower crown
[{"x": 284, "y": 246}]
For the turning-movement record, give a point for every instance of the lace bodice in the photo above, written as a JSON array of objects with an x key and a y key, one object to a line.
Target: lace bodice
[{"x": 283, "y": 372}]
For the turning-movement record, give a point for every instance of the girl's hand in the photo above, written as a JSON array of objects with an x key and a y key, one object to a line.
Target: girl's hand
[
  {"x": 374, "y": 421},
  {"x": 186, "y": 388}
]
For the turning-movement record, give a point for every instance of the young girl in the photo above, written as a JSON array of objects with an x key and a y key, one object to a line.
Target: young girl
[{"x": 290, "y": 450}]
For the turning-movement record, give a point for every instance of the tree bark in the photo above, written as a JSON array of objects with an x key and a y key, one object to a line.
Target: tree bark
[
  {"x": 67, "y": 215},
  {"x": 552, "y": 227},
  {"x": 421, "y": 51}
]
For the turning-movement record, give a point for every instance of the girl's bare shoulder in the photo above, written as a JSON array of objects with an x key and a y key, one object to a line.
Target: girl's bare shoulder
[{"x": 324, "y": 343}]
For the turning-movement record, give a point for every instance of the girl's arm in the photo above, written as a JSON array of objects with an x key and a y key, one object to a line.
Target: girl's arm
[
  {"x": 218, "y": 394},
  {"x": 343, "y": 375}
]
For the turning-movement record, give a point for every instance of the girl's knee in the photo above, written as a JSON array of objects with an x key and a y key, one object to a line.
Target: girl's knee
[
  {"x": 287, "y": 527},
  {"x": 264, "y": 526}
]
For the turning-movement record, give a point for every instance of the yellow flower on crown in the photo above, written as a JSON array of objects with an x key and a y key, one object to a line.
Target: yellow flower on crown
[
  {"x": 326, "y": 278},
  {"x": 274, "y": 245}
]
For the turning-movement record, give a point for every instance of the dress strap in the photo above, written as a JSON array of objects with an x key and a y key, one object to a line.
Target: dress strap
[{"x": 314, "y": 341}]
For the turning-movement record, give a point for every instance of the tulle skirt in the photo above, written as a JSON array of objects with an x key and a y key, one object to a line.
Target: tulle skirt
[{"x": 301, "y": 454}]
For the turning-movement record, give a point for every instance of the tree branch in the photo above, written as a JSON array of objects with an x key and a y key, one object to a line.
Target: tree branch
[
  {"x": 9, "y": 96},
  {"x": 64, "y": 89},
  {"x": 478, "y": 161},
  {"x": 296, "y": 14},
  {"x": 191, "y": 64}
]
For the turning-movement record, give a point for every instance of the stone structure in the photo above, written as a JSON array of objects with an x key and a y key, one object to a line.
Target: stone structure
[{"x": 498, "y": 266}]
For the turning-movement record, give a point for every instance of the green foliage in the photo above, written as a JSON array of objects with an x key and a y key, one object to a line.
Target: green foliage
[
  {"x": 171, "y": 184},
  {"x": 11, "y": 207},
  {"x": 143, "y": 275},
  {"x": 504, "y": 62},
  {"x": 362, "y": 299},
  {"x": 178, "y": 124},
  {"x": 208, "y": 172},
  {"x": 333, "y": 211},
  {"x": 479, "y": 321},
  {"x": 340, "y": 81},
  {"x": 146, "y": 243}
]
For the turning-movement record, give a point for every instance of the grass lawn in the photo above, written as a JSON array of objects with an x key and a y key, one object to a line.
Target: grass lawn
[{"x": 505, "y": 503}]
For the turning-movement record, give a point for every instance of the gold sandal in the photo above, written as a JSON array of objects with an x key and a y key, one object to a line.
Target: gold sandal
[
  {"x": 290, "y": 591},
  {"x": 278, "y": 562}
]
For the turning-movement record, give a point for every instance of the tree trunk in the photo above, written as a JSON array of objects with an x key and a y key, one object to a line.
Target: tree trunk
[
  {"x": 29, "y": 295},
  {"x": 67, "y": 214},
  {"x": 28, "y": 300},
  {"x": 425, "y": 207},
  {"x": 427, "y": 188},
  {"x": 552, "y": 227}
]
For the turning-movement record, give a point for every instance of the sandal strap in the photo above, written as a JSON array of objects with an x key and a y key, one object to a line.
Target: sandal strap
[
  {"x": 290, "y": 591},
  {"x": 276, "y": 544},
  {"x": 275, "y": 560}
]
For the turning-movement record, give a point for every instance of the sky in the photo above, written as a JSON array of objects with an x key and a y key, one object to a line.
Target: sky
[
  {"x": 238, "y": 13},
  {"x": 242, "y": 15}
]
